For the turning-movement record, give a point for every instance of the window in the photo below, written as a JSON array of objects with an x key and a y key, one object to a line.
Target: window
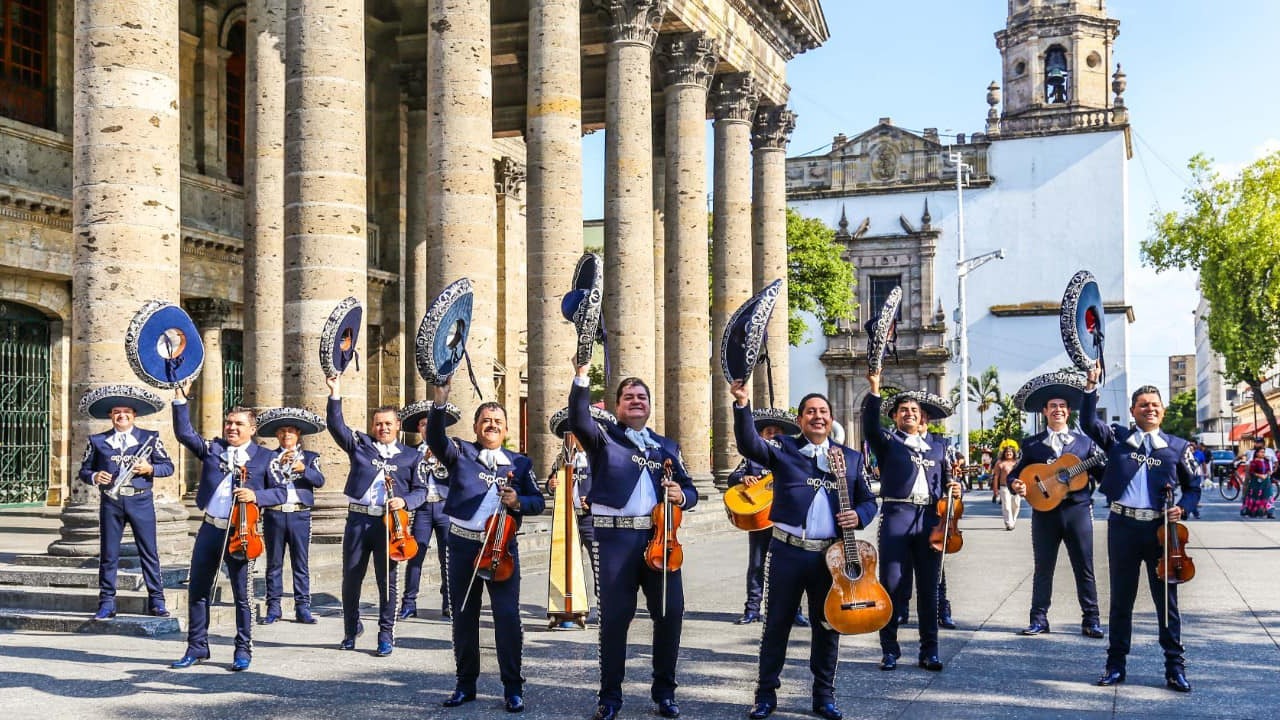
[
  {"x": 235, "y": 102},
  {"x": 880, "y": 287},
  {"x": 1055, "y": 76},
  {"x": 24, "y": 60}
]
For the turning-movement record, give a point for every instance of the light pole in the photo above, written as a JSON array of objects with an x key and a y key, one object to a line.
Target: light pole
[{"x": 963, "y": 268}]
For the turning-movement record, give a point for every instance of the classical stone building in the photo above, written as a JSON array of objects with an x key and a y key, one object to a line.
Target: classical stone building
[
  {"x": 1046, "y": 181},
  {"x": 258, "y": 162}
]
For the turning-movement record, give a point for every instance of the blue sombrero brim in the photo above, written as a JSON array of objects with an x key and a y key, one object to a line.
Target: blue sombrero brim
[
  {"x": 1039, "y": 390},
  {"x": 270, "y": 421},
  {"x": 1082, "y": 320},
  {"x": 442, "y": 336},
  {"x": 413, "y": 413},
  {"x": 880, "y": 328},
  {"x": 745, "y": 333},
  {"x": 559, "y": 422},
  {"x": 98, "y": 403},
  {"x": 583, "y": 305},
  {"x": 163, "y": 345},
  {"x": 339, "y": 336}
]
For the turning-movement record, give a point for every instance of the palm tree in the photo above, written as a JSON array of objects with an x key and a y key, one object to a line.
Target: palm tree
[{"x": 984, "y": 391}]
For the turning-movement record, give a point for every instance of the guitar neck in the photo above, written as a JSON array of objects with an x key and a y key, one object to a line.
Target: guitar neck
[
  {"x": 1086, "y": 465},
  {"x": 835, "y": 458}
]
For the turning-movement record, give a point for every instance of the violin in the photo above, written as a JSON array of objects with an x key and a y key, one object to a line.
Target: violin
[
  {"x": 946, "y": 536},
  {"x": 494, "y": 561},
  {"x": 244, "y": 534},
  {"x": 664, "y": 552},
  {"x": 401, "y": 545},
  {"x": 1175, "y": 566}
]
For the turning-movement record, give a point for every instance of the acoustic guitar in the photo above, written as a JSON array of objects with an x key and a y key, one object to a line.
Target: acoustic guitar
[
  {"x": 1048, "y": 483},
  {"x": 856, "y": 603},
  {"x": 748, "y": 507}
]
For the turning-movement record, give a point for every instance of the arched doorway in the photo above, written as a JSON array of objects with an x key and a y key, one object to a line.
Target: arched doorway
[{"x": 24, "y": 404}]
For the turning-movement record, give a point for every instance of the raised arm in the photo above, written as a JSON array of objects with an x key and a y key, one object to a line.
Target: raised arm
[
  {"x": 581, "y": 424},
  {"x": 337, "y": 425},
  {"x": 185, "y": 433},
  {"x": 750, "y": 444}
]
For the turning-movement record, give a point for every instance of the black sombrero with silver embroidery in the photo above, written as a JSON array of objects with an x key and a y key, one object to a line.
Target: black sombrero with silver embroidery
[
  {"x": 413, "y": 413},
  {"x": 764, "y": 417},
  {"x": 1061, "y": 385},
  {"x": 742, "y": 347},
  {"x": 442, "y": 336},
  {"x": 271, "y": 420},
  {"x": 934, "y": 406},
  {"x": 98, "y": 403},
  {"x": 338, "y": 338},
  {"x": 583, "y": 304},
  {"x": 163, "y": 345},
  {"x": 559, "y": 422},
  {"x": 1082, "y": 321},
  {"x": 882, "y": 331}
]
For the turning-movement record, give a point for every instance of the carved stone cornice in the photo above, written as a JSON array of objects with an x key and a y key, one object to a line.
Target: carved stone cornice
[
  {"x": 734, "y": 97},
  {"x": 688, "y": 59},
  {"x": 209, "y": 312},
  {"x": 413, "y": 84},
  {"x": 508, "y": 176},
  {"x": 632, "y": 21},
  {"x": 772, "y": 128}
]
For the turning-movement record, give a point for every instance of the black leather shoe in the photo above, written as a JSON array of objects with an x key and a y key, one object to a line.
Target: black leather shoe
[
  {"x": 1176, "y": 679},
  {"x": 240, "y": 664},
  {"x": 272, "y": 616},
  {"x": 1037, "y": 627},
  {"x": 514, "y": 704},
  {"x": 446, "y": 612},
  {"x": 384, "y": 648},
  {"x": 747, "y": 618},
  {"x": 668, "y": 708},
  {"x": 944, "y": 616},
  {"x": 187, "y": 661},
  {"x": 930, "y": 663},
  {"x": 349, "y": 642},
  {"x": 408, "y": 610},
  {"x": 457, "y": 697},
  {"x": 761, "y": 710},
  {"x": 1092, "y": 628},
  {"x": 827, "y": 710},
  {"x": 304, "y": 616},
  {"x": 889, "y": 662},
  {"x": 1111, "y": 676},
  {"x": 605, "y": 712},
  {"x": 801, "y": 620},
  {"x": 105, "y": 613}
]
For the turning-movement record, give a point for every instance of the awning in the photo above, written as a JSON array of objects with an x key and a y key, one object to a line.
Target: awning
[
  {"x": 1262, "y": 430},
  {"x": 1242, "y": 430}
]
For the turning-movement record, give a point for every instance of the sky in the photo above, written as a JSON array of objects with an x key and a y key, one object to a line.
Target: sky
[{"x": 1198, "y": 81}]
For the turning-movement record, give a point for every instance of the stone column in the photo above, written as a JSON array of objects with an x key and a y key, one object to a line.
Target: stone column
[
  {"x": 125, "y": 200},
  {"x": 413, "y": 83},
  {"x": 209, "y": 315},
  {"x": 264, "y": 204},
  {"x": 733, "y": 100},
  {"x": 210, "y": 92},
  {"x": 508, "y": 181},
  {"x": 553, "y": 209},
  {"x": 628, "y": 186},
  {"x": 769, "y": 137},
  {"x": 658, "y": 389},
  {"x": 688, "y": 62},
  {"x": 460, "y": 227},
  {"x": 324, "y": 213}
]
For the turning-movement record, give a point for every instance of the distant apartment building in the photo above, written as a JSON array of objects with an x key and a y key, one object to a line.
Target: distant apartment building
[{"x": 1182, "y": 374}]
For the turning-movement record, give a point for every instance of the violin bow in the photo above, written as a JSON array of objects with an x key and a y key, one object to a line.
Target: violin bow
[
  {"x": 226, "y": 534},
  {"x": 666, "y": 532},
  {"x": 386, "y": 556},
  {"x": 1168, "y": 530}
]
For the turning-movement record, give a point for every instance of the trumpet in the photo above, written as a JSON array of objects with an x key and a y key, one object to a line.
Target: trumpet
[
  {"x": 282, "y": 467},
  {"x": 126, "y": 473}
]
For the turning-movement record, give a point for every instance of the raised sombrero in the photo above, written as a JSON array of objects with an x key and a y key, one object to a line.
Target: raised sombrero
[
  {"x": 1082, "y": 321},
  {"x": 338, "y": 338},
  {"x": 307, "y": 422},
  {"x": 742, "y": 347},
  {"x": 934, "y": 406},
  {"x": 882, "y": 330},
  {"x": 98, "y": 403},
  {"x": 1063, "y": 385},
  {"x": 583, "y": 304},
  {"x": 442, "y": 336},
  {"x": 413, "y": 413},
  {"x": 163, "y": 345},
  {"x": 559, "y": 422}
]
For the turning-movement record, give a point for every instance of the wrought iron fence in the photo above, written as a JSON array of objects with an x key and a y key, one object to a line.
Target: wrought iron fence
[{"x": 24, "y": 405}]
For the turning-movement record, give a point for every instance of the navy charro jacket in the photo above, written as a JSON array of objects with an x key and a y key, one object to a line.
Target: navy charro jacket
[
  {"x": 469, "y": 479},
  {"x": 305, "y": 483},
  {"x": 101, "y": 457},
  {"x": 1169, "y": 466},
  {"x": 615, "y": 461},
  {"x": 796, "y": 477},
  {"x": 368, "y": 465},
  {"x": 897, "y": 469},
  {"x": 1037, "y": 450},
  {"x": 213, "y": 468}
]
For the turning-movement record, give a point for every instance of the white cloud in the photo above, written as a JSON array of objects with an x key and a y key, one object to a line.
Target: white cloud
[{"x": 1232, "y": 169}]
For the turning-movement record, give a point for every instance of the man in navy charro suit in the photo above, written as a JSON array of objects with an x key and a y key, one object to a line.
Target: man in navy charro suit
[
  {"x": 913, "y": 477},
  {"x": 131, "y": 458},
  {"x": 232, "y": 469},
  {"x": 482, "y": 478},
  {"x": 627, "y": 469},
  {"x": 374, "y": 458},
  {"x": 288, "y": 525},
  {"x": 1071, "y": 523},
  {"x": 1145, "y": 466},
  {"x": 807, "y": 519}
]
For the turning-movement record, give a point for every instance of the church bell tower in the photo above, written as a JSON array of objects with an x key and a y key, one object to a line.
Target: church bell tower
[{"x": 1056, "y": 56}]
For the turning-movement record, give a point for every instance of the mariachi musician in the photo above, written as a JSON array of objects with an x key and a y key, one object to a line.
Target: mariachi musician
[
  {"x": 122, "y": 463},
  {"x": 807, "y": 520},
  {"x": 429, "y": 518},
  {"x": 483, "y": 478},
  {"x": 288, "y": 525},
  {"x": 233, "y": 469},
  {"x": 770, "y": 423}
]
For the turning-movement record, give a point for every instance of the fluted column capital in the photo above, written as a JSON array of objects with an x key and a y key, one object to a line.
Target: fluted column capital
[
  {"x": 688, "y": 59},
  {"x": 734, "y": 97},
  {"x": 772, "y": 128},
  {"x": 508, "y": 176},
  {"x": 632, "y": 21},
  {"x": 209, "y": 313},
  {"x": 413, "y": 84}
]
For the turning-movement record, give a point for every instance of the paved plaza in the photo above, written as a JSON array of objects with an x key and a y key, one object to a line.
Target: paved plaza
[{"x": 1231, "y": 616}]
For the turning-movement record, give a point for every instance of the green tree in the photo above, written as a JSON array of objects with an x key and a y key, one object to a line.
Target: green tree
[
  {"x": 1180, "y": 415},
  {"x": 1230, "y": 233},
  {"x": 819, "y": 279},
  {"x": 984, "y": 391},
  {"x": 1008, "y": 422}
]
